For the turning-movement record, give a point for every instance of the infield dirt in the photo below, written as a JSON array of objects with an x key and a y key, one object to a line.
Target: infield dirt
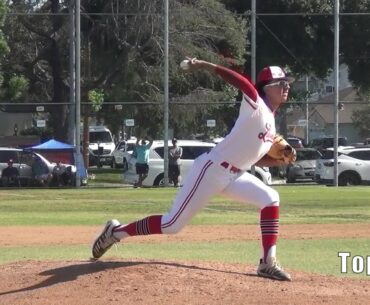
[{"x": 169, "y": 282}]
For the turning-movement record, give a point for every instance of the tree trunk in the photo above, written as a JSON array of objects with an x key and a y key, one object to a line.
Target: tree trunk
[{"x": 58, "y": 112}]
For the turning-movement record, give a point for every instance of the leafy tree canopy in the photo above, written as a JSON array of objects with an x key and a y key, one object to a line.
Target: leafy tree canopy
[
  {"x": 361, "y": 120},
  {"x": 122, "y": 53}
]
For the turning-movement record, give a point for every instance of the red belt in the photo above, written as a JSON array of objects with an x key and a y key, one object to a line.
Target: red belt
[{"x": 230, "y": 167}]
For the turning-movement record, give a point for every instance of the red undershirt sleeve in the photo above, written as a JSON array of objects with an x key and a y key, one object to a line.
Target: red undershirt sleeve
[{"x": 238, "y": 81}]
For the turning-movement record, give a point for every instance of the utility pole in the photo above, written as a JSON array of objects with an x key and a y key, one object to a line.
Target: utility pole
[
  {"x": 336, "y": 88},
  {"x": 166, "y": 94}
]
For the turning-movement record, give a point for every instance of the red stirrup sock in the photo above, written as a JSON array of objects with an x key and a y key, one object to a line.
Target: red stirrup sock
[
  {"x": 146, "y": 226},
  {"x": 269, "y": 222}
]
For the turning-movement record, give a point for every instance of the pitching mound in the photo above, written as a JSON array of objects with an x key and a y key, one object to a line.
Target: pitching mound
[
  {"x": 164, "y": 282},
  {"x": 159, "y": 282}
]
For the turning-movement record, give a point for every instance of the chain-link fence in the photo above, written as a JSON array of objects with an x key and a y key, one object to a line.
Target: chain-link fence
[{"x": 122, "y": 58}]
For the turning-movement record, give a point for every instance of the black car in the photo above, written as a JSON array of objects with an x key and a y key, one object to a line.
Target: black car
[{"x": 295, "y": 142}]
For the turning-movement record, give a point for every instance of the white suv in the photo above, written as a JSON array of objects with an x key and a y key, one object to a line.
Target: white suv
[
  {"x": 191, "y": 150},
  {"x": 123, "y": 151},
  {"x": 353, "y": 166}
]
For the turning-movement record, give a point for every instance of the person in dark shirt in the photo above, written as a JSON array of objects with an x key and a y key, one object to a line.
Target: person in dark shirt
[
  {"x": 174, "y": 163},
  {"x": 40, "y": 172},
  {"x": 10, "y": 175},
  {"x": 59, "y": 175}
]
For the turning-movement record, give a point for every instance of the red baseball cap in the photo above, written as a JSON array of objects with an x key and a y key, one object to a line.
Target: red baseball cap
[{"x": 271, "y": 74}]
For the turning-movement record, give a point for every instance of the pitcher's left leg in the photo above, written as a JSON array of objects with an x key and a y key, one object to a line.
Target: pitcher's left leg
[
  {"x": 204, "y": 180},
  {"x": 249, "y": 189}
]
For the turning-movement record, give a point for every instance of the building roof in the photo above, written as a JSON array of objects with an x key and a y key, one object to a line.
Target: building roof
[
  {"x": 326, "y": 111},
  {"x": 348, "y": 94},
  {"x": 325, "y": 107}
]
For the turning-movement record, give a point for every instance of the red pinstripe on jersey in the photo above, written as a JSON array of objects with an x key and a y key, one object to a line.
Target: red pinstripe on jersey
[{"x": 190, "y": 195}]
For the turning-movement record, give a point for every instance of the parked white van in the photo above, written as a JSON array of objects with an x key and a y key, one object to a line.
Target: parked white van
[
  {"x": 101, "y": 146},
  {"x": 191, "y": 150}
]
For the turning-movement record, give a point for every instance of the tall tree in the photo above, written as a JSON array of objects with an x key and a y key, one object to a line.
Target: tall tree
[
  {"x": 12, "y": 86},
  {"x": 287, "y": 35},
  {"x": 355, "y": 43},
  {"x": 361, "y": 120},
  {"x": 122, "y": 51},
  {"x": 134, "y": 32},
  {"x": 39, "y": 51}
]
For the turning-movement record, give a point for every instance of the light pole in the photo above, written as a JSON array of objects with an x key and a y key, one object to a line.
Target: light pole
[
  {"x": 253, "y": 53},
  {"x": 336, "y": 88},
  {"x": 307, "y": 126},
  {"x": 166, "y": 94}
]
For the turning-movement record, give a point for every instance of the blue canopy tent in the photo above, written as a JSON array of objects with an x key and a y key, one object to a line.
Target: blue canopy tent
[
  {"x": 56, "y": 151},
  {"x": 52, "y": 145}
]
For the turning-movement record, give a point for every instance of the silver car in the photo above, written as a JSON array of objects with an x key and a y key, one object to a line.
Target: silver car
[
  {"x": 29, "y": 165},
  {"x": 304, "y": 167},
  {"x": 34, "y": 169}
]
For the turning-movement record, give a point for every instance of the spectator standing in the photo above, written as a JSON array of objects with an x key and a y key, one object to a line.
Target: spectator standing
[
  {"x": 59, "y": 175},
  {"x": 40, "y": 172},
  {"x": 174, "y": 162},
  {"x": 10, "y": 175},
  {"x": 142, "y": 158}
]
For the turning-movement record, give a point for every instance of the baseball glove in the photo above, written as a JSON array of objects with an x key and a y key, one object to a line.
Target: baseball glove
[{"x": 281, "y": 150}]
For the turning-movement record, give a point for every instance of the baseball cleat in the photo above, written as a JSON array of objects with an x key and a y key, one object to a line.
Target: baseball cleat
[
  {"x": 272, "y": 270},
  {"x": 105, "y": 240}
]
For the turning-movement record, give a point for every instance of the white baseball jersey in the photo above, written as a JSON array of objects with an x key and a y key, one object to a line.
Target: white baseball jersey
[{"x": 251, "y": 137}]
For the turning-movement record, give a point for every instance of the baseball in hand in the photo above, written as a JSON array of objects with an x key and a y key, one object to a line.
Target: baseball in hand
[{"x": 184, "y": 64}]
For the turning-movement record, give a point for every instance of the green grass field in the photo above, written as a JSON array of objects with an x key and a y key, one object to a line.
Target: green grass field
[{"x": 308, "y": 204}]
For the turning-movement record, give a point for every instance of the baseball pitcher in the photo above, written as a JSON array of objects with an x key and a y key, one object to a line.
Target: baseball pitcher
[{"x": 223, "y": 170}]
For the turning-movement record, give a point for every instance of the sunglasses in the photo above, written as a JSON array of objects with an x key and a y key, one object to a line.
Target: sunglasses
[{"x": 283, "y": 83}]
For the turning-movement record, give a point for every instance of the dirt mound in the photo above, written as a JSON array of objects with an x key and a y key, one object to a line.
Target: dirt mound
[
  {"x": 158, "y": 282},
  {"x": 163, "y": 282}
]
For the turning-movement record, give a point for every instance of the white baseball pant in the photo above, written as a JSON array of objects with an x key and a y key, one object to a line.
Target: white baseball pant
[{"x": 207, "y": 178}]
